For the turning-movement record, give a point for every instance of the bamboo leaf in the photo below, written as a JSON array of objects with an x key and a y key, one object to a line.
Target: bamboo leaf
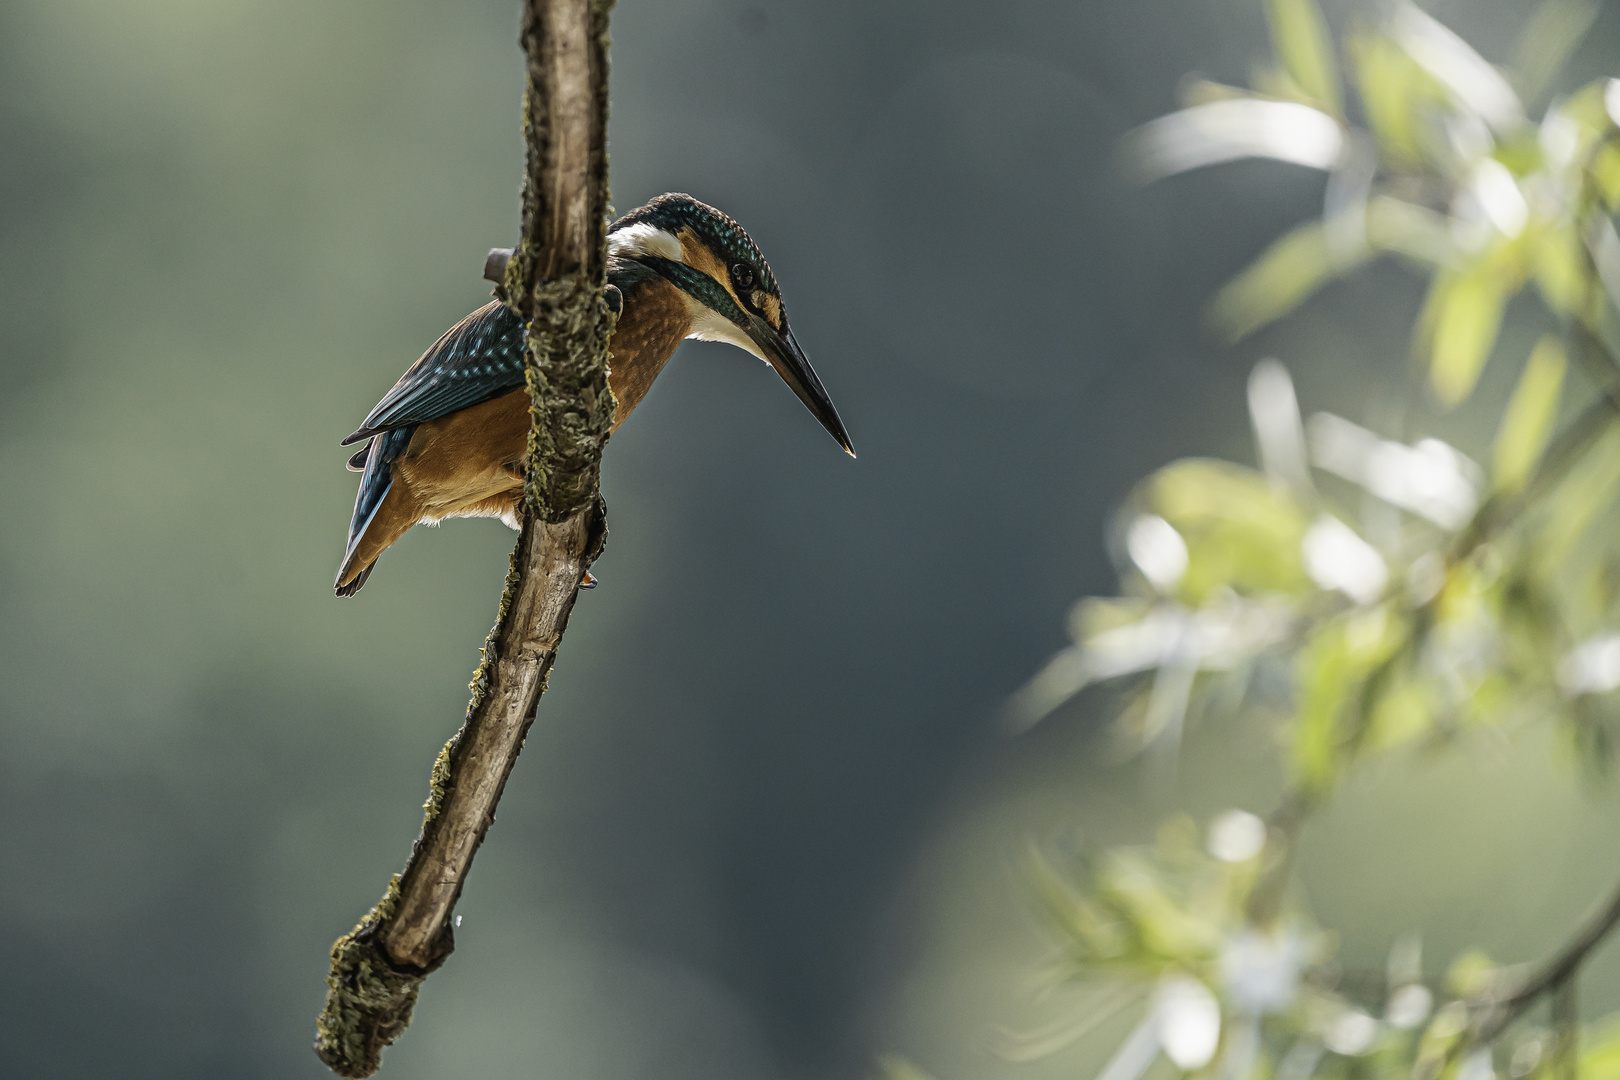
[
  {"x": 1467, "y": 317},
  {"x": 1582, "y": 499},
  {"x": 1470, "y": 80},
  {"x": 1552, "y": 33},
  {"x": 1395, "y": 92},
  {"x": 1229, "y": 129},
  {"x": 1325, "y": 676},
  {"x": 1333, "y": 671},
  {"x": 1589, "y": 107},
  {"x": 1282, "y": 278},
  {"x": 1605, "y": 170},
  {"x": 1242, "y": 532},
  {"x": 1559, "y": 262},
  {"x": 1404, "y": 228},
  {"x": 1530, "y": 413},
  {"x": 1403, "y": 713},
  {"x": 1085, "y": 929},
  {"x": 1299, "y": 36}
]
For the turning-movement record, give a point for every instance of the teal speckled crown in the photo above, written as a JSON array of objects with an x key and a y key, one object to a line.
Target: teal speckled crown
[{"x": 714, "y": 227}]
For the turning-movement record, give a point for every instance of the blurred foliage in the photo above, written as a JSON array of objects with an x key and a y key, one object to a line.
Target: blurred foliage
[{"x": 1368, "y": 593}]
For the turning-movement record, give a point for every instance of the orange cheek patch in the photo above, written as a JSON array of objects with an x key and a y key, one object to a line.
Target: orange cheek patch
[
  {"x": 773, "y": 313},
  {"x": 699, "y": 257}
]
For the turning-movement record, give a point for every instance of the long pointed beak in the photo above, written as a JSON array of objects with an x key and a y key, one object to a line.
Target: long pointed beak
[{"x": 783, "y": 354}]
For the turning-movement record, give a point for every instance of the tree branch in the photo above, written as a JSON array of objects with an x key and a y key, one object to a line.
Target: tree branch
[
  {"x": 1499, "y": 512},
  {"x": 1489, "y": 521},
  {"x": 1550, "y": 976},
  {"x": 554, "y": 280}
]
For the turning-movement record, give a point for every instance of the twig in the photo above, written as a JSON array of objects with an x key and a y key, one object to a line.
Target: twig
[
  {"x": 1494, "y": 1011},
  {"x": 1488, "y": 522},
  {"x": 554, "y": 280},
  {"x": 1499, "y": 512},
  {"x": 1497, "y": 1012},
  {"x": 1561, "y": 455},
  {"x": 1277, "y": 856}
]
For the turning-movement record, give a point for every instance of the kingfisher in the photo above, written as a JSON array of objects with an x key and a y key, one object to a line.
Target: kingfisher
[{"x": 449, "y": 439}]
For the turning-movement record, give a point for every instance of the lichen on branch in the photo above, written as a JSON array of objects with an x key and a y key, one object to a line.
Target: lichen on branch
[
  {"x": 571, "y": 406},
  {"x": 555, "y": 282}
]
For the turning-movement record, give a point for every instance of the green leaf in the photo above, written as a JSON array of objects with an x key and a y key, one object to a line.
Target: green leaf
[
  {"x": 1402, "y": 713},
  {"x": 1396, "y": 93},
  {"x": 1282, "y": 278},
  {"x": 1581, "y": 499},
  {"x": 1130, "y": 885},
  {"x": 1605, "y": 169},
  {"x": 1091, "y": 935},
  {"x": 1587, "y": 107},
  {"x": 1324, "y": 678},
  {"x": 1299, "y": 36},
  {"x": 1520, "y": 152},
  {"x": 1404, "y": 228},
  {"x": 1554, "y": 30},
  {"x": 1558, "y": 260},
  {"x": 1471, "y": 974},
  {"x": 1467, "y": 317},
  {"x": 1527, "y": 424},
  {"x": 1099, "y": 614},
  {"x": 1332, "y": 671},
  {"x": 1242, "y": 533},
  {"x": 1600, "y": 1056}
]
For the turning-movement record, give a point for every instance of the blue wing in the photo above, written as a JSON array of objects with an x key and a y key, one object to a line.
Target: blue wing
[
  {"x": 479, "y": 358},
  {"x": 375, "y": 483}
]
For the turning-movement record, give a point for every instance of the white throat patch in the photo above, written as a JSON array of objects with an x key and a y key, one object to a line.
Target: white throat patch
[
  {"x": 644, "y": 239},
  {"x": 710, "y": 325}
]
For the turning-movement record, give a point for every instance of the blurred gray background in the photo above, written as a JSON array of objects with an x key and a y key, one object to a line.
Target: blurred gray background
[{"x": 764, "y": 826}]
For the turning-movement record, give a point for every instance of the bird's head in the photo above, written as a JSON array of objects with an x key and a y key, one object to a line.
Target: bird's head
[{"x": 728, "y": 287}]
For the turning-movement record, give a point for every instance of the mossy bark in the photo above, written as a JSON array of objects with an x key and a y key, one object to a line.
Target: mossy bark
[
  {"x": 571, "y": 405},
  {"x": 555, "y": 281},
  {"x": 368, "y": 1000},
  {"x": 557, "y": 273}
]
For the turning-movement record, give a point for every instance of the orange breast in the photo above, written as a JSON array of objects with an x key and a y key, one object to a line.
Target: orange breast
[
  {"x": 467, "y": 457},
  {"x": 653, "y": 324}
]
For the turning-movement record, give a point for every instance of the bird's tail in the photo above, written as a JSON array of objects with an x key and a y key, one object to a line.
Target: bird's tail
[{"x": 376, "y": 480}]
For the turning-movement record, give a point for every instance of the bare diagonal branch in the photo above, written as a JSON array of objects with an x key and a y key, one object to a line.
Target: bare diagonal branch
[{"x": 555, "y": 282}]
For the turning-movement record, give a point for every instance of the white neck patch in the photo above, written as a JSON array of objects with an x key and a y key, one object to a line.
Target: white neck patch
[
  {"x": 644, "y": 239},
  {"x": 710, "y": 325}
]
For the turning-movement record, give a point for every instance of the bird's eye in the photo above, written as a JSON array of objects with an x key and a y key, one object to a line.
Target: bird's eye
[{"x": 743, "y": 276}]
